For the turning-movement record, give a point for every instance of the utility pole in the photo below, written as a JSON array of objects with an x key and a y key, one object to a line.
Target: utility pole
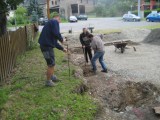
[
  {"x": 48, "y": 11},
  {"x": 139, "y": 8}
]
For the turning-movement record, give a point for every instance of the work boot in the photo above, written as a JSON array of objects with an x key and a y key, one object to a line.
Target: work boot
[
  {"x": 54, "y": 78},
  {"x": 49, "y": 83},
  {"x": 105, "y": 71}
]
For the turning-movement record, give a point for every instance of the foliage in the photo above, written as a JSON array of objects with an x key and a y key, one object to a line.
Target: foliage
[
  {"x": 34, "y": 6},
  {"x": 20, "y": 16},
  {"x": 113, "y": 8},
  {"x": 4, "y": 7},
  {"x": 146, "y": 12}
]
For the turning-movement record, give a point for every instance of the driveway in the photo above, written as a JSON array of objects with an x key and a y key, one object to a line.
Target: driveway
[{"x": 102, "y": 23}]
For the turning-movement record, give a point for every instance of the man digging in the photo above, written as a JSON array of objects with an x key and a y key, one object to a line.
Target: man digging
[
  {"x": 98, "y": 47},
  {"x": 48, "y": 40}
]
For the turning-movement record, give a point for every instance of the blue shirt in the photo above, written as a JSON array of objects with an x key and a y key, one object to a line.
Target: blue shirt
[{"x": 50, "y": 34}]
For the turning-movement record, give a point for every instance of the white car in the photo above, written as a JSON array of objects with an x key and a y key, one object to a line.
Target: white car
[
  {"x": 131, "y": 17},
  {"x": 73, "y": 19}
]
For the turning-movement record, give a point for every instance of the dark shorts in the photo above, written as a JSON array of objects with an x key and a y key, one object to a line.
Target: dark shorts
[{"x": 48, "y": 54}]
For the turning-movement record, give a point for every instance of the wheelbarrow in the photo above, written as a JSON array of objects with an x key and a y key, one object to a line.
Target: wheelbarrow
[{"x": 120, "y": 45}]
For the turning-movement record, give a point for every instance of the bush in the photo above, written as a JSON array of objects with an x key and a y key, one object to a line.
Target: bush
[
  {"x": 12, "y": 21},
  {"x": 147, "y": 12}
]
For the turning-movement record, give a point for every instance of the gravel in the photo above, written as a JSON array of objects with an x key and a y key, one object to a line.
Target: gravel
[{"x": 142, "y": 65}]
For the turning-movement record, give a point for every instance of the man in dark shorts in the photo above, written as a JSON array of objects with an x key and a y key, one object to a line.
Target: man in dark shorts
[
  {"x": 86, "y": 44},
  {"x": 48, "y": 40}
]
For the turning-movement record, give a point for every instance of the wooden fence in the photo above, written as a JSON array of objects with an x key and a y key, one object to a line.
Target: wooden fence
[{"x": 13, "y": 44}]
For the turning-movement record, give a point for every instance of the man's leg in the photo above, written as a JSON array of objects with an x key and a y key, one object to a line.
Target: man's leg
[
  {"x": 103, "y": 64},
  {"x": 48, "y": 54},
  {"x": 93, "y": 61},
  {"x": 86, "y": 52},
  {"x": 50, "y": 72}
]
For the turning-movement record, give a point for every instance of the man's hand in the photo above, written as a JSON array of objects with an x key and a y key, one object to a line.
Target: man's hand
[
  {"x": 66, "y": 51},
  {"x": 83, "y": 46}
]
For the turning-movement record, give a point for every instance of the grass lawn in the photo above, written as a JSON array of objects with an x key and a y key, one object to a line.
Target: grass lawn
[
  {"x": 151, "y": 27},
  {"x": 107, "y": 31},
  {"x": 26, "y": 98}
]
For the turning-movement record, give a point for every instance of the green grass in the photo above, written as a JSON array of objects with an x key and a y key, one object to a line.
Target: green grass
[
  {"x": 64, "y": 20},
  {"x": 151, "y": 27},
  {"x": 28, "y": 99},
  {"x": 107, "y": 31}
]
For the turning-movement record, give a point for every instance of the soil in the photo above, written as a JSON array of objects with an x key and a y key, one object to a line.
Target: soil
[{"x": 121, "y": 95}]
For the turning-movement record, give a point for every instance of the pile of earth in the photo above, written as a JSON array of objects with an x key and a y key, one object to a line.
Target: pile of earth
[
  {"x": 153, "y": 37},
  {"x": 137, "y": 35},
  {"x": 126, "y": 96}
]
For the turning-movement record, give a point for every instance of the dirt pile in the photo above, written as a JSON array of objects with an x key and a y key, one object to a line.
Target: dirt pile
[
  {"x": 128, "y": 95},
  {"x": 153, "y": 37},
  {"x": 136, "y": 35}
]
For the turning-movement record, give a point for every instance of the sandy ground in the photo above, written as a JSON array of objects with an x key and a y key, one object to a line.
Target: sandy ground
[{"x": 142, "y": 65}]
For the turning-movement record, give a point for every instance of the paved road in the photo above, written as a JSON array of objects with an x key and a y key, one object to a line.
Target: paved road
[{"x": 103, "y": 23}]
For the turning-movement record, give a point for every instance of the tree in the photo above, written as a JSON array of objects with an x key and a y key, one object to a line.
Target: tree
[
  {"x": 21, "y": 15},
  {"x": 5, "y": 5},
  {"x": 34, "y": 6},
  {"x": 113, "y": 8}
]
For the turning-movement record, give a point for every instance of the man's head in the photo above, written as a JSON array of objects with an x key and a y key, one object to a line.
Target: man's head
[
  {"x": 90, "y": 36},
  {"x": 56, "y": 16},
  {"x": 84, "y": 30}
]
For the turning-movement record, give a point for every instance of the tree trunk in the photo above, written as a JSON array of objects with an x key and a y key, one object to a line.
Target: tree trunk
[{"x": 3, "y": 23}]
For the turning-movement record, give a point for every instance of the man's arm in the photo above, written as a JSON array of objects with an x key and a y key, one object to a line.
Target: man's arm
[
  {"x": 81, "y": 39},
  {"x": 58, "y": 46},
  {"x": 56, "y": 31}
]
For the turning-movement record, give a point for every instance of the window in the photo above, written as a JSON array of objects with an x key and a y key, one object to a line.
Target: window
[
  {"x": 81, "y": 1},
  {"x": 87, "y": 1},
  {"x": 52, "y": 3},
  {"x": 55, "y": 2}
]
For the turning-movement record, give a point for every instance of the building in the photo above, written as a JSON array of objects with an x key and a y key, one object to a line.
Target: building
[
  {"x": 150, "y": 4},
  {"x": 67, "y": 8}
]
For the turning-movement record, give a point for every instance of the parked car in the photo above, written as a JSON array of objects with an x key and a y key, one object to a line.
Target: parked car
[
  {"x": 131, "y": 17},
  {"x": 82, "y": 17},
  {"x": 73, "y": 19},
  {"x": 42, "y": 21},
  {"x": 153, "y": 17}
]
